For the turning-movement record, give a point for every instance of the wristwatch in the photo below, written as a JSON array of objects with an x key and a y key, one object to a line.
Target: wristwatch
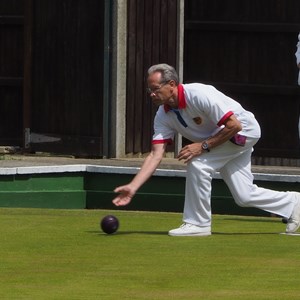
[{"x": 205, "y": 146}]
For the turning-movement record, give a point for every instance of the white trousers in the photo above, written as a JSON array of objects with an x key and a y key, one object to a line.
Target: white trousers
[{"x": 234, "y": 164}]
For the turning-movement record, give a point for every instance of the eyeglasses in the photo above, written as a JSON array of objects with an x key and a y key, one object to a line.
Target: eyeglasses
[{"x": 154, "y": 91}]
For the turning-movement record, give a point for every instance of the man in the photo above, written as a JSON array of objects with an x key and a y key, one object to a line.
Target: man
[
  {"x": 297, "y": 54},
  {"x": 223, "y": 134}
]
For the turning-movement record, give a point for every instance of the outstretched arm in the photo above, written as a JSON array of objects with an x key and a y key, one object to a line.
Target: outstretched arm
[{"x": 126, "y": 192}]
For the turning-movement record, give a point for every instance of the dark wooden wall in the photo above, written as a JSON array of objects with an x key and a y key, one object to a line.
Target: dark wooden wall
[
  {"x": 64, "y": 59},
  {"x": 152, "y": 39},
  {"x": 246, "y": 49},
  {"x": 11, "y": 72},
  {"x": 67, "y": 75},
  {"x": 52, "y": 75}
]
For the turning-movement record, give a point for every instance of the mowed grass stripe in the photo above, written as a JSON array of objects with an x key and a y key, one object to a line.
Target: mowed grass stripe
[{"x": 62, "y": 254}]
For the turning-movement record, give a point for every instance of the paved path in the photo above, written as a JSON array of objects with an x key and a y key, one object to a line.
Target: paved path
[{"x": 13, "y": 161}]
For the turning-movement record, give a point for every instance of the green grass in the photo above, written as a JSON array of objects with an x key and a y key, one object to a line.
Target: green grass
[{"x": 61, "y": 254}]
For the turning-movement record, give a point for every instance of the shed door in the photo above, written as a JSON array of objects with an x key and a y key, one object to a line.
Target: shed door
[
  {"x": 11, "y": 72},
  {"x": 64, "y": 76}
]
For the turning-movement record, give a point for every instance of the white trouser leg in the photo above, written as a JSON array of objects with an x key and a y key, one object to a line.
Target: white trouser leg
[
  {"x": 234, "y": 163},
  {"x": 239, "y": 179},
  {"x": 197, "y": 208}
]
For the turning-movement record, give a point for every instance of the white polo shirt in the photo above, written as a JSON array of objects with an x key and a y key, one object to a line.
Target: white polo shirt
[{"x": 204, "y": 110}]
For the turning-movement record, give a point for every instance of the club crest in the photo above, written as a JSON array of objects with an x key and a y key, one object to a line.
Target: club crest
[{"x": 197, "y": 120}]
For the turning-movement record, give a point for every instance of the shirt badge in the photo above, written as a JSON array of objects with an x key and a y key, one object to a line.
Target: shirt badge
[{"x": 197, "y": 120}]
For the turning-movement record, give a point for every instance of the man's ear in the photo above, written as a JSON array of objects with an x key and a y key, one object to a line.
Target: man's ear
[{"x": 172, "y": 83}]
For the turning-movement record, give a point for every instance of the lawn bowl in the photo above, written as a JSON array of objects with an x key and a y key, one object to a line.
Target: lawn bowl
[{"x": 109, "y": 224}]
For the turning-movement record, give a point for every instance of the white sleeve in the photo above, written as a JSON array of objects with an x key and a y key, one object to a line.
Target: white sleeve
[{"x": 163, "y": 132}]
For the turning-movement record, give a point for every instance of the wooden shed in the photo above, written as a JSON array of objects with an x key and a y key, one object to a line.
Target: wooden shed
[{"x": 72, "y": 72}]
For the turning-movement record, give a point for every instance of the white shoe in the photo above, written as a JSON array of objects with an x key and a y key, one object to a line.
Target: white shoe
[
  {"x": 294, "y": 220},
  {"x": 187, "y": 229}
]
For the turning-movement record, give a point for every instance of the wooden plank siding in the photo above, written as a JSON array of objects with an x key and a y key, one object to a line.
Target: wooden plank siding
[
  {"x": 152, "y": 39},
  {"x": 11, "y": 71},
  {"x": 52, "y": 68},
  {"x": 246, "y": 49},
  {"x": 67, "y": 76}
]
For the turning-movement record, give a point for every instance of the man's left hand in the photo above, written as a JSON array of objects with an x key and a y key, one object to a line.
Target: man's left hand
[{"x": 190, "y": 151}]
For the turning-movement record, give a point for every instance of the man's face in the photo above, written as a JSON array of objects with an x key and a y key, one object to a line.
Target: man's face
[{"x": 160, "y": 92}]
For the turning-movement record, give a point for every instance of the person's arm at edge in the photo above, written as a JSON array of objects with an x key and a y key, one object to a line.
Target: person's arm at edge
[
  {"x": 297, "y": 54},
  {"x": 151, "y": 162}
]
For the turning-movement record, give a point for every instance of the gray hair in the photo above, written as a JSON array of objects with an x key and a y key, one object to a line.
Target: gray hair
[{"x": 167, "y": 72}]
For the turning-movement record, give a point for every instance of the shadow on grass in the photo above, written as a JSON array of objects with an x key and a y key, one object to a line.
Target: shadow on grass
[
  {"x": 129, "y": 232},
  {"x": 245, "y": 233},
  {"x": 279, "y": 220},
  {"x": 166, "y": 233}
]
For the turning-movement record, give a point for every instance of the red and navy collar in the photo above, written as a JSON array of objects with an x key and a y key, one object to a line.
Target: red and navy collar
[{"x": 181, "y": 99}]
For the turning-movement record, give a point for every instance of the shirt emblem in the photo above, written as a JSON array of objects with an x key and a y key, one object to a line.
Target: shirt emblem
[{"x": 197, "y": 120}]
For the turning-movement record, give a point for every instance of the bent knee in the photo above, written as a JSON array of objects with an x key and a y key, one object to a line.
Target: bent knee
[{"x": 243, "y": 201}]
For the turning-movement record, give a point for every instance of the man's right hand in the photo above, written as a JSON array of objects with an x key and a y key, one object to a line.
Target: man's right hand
[{"x": 126, "y": 192}]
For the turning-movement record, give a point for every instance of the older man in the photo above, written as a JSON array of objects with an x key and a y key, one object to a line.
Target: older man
[{"x": 223, "y": 134}]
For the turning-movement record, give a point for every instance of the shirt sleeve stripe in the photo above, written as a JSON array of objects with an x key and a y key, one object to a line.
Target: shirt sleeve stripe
[
  {"x": 168, "y": 141},
  {"x": 224, "y": 118}
]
